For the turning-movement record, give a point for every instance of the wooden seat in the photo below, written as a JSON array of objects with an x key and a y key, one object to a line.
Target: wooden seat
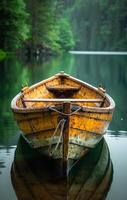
[{"x": 63, "y": 90}]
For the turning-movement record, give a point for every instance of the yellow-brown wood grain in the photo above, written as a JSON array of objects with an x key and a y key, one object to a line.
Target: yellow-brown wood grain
[{"x": 88, "y": 124}]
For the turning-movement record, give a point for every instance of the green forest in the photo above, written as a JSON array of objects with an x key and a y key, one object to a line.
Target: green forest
[
  {"x": 34, "y": 26},
  {"x": 99, "y": 24},
  {"x": 57, "y": 26}
]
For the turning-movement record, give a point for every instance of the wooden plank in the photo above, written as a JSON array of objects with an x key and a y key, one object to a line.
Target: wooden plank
[
  {"x": 64, "y": 100},
  {"x": 65, "y": 88},
  {"x": 66, "y": 110}
]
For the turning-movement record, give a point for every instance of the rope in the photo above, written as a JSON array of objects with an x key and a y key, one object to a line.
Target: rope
[
  {"x": 65, "y": 114},
  {"x": 61, "y": 123}
]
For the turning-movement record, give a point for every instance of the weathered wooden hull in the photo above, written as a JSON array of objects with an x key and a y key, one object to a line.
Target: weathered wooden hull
[
  {"x": 85, "y": 128},
  {"x": 33, "y": 177},
  {"x": 38, "y": 121}
]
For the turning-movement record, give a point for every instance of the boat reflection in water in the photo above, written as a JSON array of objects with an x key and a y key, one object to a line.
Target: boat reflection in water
[{"x": 35, "y": 177}]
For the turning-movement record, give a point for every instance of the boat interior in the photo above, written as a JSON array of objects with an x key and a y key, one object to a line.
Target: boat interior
[{"x": 59, "y": 89}]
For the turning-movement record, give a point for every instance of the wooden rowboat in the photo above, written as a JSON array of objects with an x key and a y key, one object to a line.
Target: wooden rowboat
[
  {"x": 63, "y": 115},
  {"x": 35, "y": 177}
]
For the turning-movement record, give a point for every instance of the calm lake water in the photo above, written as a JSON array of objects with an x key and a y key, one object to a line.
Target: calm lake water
[{"x": 108, "y": 70}]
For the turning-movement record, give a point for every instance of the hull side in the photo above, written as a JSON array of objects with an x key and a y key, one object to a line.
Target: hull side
[
  {"x": 86, "y": 130},
  {"x": 30, "y": 123}
]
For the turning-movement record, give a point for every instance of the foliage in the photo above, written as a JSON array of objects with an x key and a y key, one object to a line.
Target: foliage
[
  {"x": 66, "y": 39},
  {"x": 2, "y": 55},
  {"x": 99, "y": 24},
  {"x": 48, "y": 26},
  {"x": 13, "y": 24},
  {"x": 56, "y": 26}
]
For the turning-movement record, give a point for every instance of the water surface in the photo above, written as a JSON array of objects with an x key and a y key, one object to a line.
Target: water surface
[{"x": 108, "y": 70}]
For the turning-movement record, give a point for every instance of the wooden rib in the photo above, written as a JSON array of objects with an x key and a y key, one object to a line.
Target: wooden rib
[{"x": 64, "y": 100}]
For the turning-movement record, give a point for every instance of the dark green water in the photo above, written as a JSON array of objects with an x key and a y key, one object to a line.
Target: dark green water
[{"x": 110, "y": 71}]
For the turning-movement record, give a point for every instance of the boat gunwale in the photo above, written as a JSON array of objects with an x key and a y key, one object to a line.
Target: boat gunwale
[{"x": 107, "y": 109}]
